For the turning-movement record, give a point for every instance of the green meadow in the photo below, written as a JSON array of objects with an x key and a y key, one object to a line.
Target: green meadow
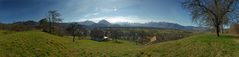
[{"x": 40, "y": 44}]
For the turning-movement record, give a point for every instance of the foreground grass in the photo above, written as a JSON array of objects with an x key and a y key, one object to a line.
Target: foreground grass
[
  {"x": 196, "y": 46},
  {"x": 32, "y": 44},
  {"x": 40, "y": 44}
]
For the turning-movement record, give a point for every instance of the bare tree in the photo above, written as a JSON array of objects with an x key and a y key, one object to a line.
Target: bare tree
[
  {"x": 43, "y": 24},
  {"x": 54, "y": 19},
  {"x": 212, "y": 13},
  {"x": 74, "y": 30}
]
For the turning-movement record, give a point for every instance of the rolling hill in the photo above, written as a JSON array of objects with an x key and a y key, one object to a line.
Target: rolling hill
[{"x": 40, "y": 44}]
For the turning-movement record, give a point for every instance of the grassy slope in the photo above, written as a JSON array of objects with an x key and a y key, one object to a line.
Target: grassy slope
[
  {"x": 34, "y": 43},
  {"x": 196, "y": 46}
]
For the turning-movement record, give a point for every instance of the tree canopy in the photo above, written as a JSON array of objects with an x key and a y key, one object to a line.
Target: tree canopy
[{"x": 213, "y": 13}]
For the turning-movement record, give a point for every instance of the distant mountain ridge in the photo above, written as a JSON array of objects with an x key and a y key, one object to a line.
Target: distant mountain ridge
[
  {"x": 104, "y": 22},
  {"x": 166, "y": 25},
  {"x": 87, "y": 22}
]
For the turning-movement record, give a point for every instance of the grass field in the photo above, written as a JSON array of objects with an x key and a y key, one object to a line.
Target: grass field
[
  {"x": 197, "y": 46},
  {"x": 40, "y": 44}
]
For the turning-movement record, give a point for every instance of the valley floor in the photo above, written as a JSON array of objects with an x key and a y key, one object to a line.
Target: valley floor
[{"x": 40, "y": 44}]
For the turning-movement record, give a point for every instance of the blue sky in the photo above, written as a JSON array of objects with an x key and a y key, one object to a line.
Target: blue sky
[{"x": 139, "y": 11}]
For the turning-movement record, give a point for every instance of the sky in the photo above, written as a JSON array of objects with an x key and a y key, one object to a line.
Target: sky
[{"x": 133, "y": 11}]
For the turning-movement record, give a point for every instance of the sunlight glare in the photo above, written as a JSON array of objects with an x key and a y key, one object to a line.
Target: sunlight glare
[{"x": 118, "y": 19}]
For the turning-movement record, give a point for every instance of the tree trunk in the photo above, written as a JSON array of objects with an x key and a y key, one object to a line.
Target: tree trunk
[
  {"x": 218, "y": 30},
  {"x": 50, "y": 26},
  {"x": 74, "y": 38},
  {"x": 222, "y": 29}
]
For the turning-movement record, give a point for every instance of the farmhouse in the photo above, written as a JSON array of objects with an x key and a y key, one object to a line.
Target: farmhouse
[
  {"x": 99, "y": 35},
  {"x": 152, "y": 39},
  {"x": 234, "y": 29}
]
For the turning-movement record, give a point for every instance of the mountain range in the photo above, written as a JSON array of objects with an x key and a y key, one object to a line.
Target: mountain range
[{"x": 165, "y": 25}]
